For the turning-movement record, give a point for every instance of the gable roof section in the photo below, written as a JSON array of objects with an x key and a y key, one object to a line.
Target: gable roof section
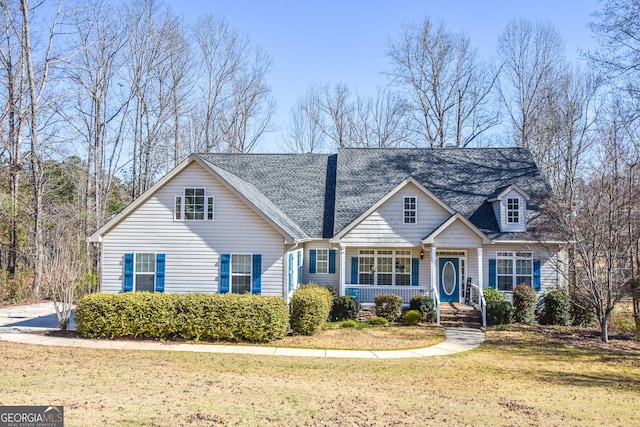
[
  {"x": 318, "y": 196},
  {"x": 96, "y": 237},
  {"x": 242, "y": 189},
  {"x": 462, "y": 178},
  {"x": 430, "y": 239},
  {"x": 386, "y": 197},
  {"x": 296, "y": 183},
  {"x": 260, "y": 204}
]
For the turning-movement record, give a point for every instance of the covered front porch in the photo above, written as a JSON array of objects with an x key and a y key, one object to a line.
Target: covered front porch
[{"x": 448, "y": 275}]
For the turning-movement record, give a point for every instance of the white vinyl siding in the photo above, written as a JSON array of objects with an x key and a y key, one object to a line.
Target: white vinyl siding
[
  {"x": 385, "y": 227},
  {"x": 194, "y": 247},
  {"x": 550, "y": 265}
]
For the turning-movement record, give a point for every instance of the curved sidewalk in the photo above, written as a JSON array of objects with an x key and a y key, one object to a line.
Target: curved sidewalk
[
  {"x": 457, "y": 340},
  {"x": 21, "y": 324}
]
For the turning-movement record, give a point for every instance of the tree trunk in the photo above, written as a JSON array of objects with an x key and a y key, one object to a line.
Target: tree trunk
[{"x": 604, "y": 332}]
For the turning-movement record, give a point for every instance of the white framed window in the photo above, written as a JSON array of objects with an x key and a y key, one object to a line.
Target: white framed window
[
  {"x": 384, "y": 267},
  {"x": 241, "y": 273},
  {"x": 409, "y": 209},
  {"x": 513, "y": 210},
  {"x": 322, "y": 261},
  {"x": 145, "y": 272},
  {"x": 403, "y": 268},
  {"x": 513, "y": 269},
  {"x": 366, "y": 265},
  {"x": 193, "y": 205}
]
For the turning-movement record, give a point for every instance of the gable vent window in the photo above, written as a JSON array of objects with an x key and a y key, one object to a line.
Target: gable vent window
[
  {"x": 409, "y": 210},
  {"x": 194, "y": 205},
  {"x": 513, "y": 210}
]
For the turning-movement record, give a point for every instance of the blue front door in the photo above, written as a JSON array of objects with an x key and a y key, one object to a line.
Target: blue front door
[{"x": 449, "y": 279}]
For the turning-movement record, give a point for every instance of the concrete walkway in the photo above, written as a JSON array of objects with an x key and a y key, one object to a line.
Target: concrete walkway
[{"x": 16, "y": 323}]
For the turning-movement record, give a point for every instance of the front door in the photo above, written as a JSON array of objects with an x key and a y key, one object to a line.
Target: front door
[{"x": 449, "y": 280}]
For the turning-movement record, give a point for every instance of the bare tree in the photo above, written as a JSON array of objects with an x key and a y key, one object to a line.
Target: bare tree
[
  {"x": 603, "y": 224},
  {"x": 380, "y": 121},
  {"x": 447, "y": 86},
  {"x": 306, "y": 124},
  {"x": 616, "y": 28},
  {"x": 13, "y": 120},
  {"x": 98, "y": 104},
  {"x": 532, "y": 56},
  {"x": 236, "y": 101}
]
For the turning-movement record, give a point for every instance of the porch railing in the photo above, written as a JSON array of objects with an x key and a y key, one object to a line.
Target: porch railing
[
  {"x": 477, "y": 299},
  {"x": 366, "y": 294}
]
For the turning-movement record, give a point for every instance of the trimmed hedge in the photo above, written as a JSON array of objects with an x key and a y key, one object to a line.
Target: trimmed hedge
[
  {"x": 555, "y": 308},
  {"x": 190, "y": 316},
  {"x": 310, "y": 307},
  {"x": 425, "y": 306},
  {"x": 524, "y": 304},
  {"x": 499, "y": 313},
  {"x": 388, "y": 306},
  {"x": 411, "y": 318}
]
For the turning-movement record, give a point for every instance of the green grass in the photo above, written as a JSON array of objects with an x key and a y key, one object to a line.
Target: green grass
[{"x": 520, "y": 376}]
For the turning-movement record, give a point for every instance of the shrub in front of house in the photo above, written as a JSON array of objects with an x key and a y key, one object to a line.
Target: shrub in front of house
[
  {"x": 344, "y": 308},
  {"x": 378, "y": 321},
  {"x": 555, "y": 308},
  {"x": 388, "y": 306},
  {"x": 190, "y": 316},
  {"x": 411, "y": 318},
  {"x": 310, "y": 308},
  {"x": 582, "y": 312},
  {"x": 425, "y": 306},
  {"x": 492, "y": 295},
  {"x": 499, "y": 313},
  {"x": 525, "y": 299},
  {"x": 350, "y": 323}
]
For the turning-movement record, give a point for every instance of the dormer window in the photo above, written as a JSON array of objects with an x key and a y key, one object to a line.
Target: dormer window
[
  {"x": 513, "y": 210},
  {"x": 410, "y": 210},
  {"x": 193, "y": 205},
  {"x": 510, "y": 208}
]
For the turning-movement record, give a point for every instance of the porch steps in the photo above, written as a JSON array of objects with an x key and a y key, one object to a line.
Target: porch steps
[{"x": 454, "y": 315}]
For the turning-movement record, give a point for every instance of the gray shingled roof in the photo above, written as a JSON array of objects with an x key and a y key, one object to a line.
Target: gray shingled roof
[
  {"x": 304, "y": 189},
  {"x": 295, "y": 183}
]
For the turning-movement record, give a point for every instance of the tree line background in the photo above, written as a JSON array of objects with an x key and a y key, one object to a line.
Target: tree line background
[{"x": 98, "y": 99}]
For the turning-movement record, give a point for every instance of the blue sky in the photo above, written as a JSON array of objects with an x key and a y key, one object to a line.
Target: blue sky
[{"x": 329, "y": 41}]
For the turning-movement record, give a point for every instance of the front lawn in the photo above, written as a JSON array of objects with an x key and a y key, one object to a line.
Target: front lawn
[
  {"x": 520, "y": 376},
  {"x": 365, "y": 337}
]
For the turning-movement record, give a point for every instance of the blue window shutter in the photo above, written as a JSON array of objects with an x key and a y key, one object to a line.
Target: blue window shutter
[
  {"x": 225, "y": 261},
  {"x": 312, "y": 261},
  {"x": 332, "y": 261},
  {"x": 354, "y": 270},
  {"x": 415, "y": 271},
  {"x": 256, "y": 275},
  {"x": 299, "y": 267},
  {"x": 128, "y": 272},
  {"x": 160, "y": 264},
  {"x": 536, "y": 274},
  {"x": 290, "y": 277},
  {"x": 492, "y": 274}
]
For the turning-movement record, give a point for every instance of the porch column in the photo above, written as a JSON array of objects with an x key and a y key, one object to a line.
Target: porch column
[
  {"x": 434, "y": 280},
  {"x": 480, "y": 279},
  {"x": 343, "y": 267},
  {"x": 434, "y": 270}
]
